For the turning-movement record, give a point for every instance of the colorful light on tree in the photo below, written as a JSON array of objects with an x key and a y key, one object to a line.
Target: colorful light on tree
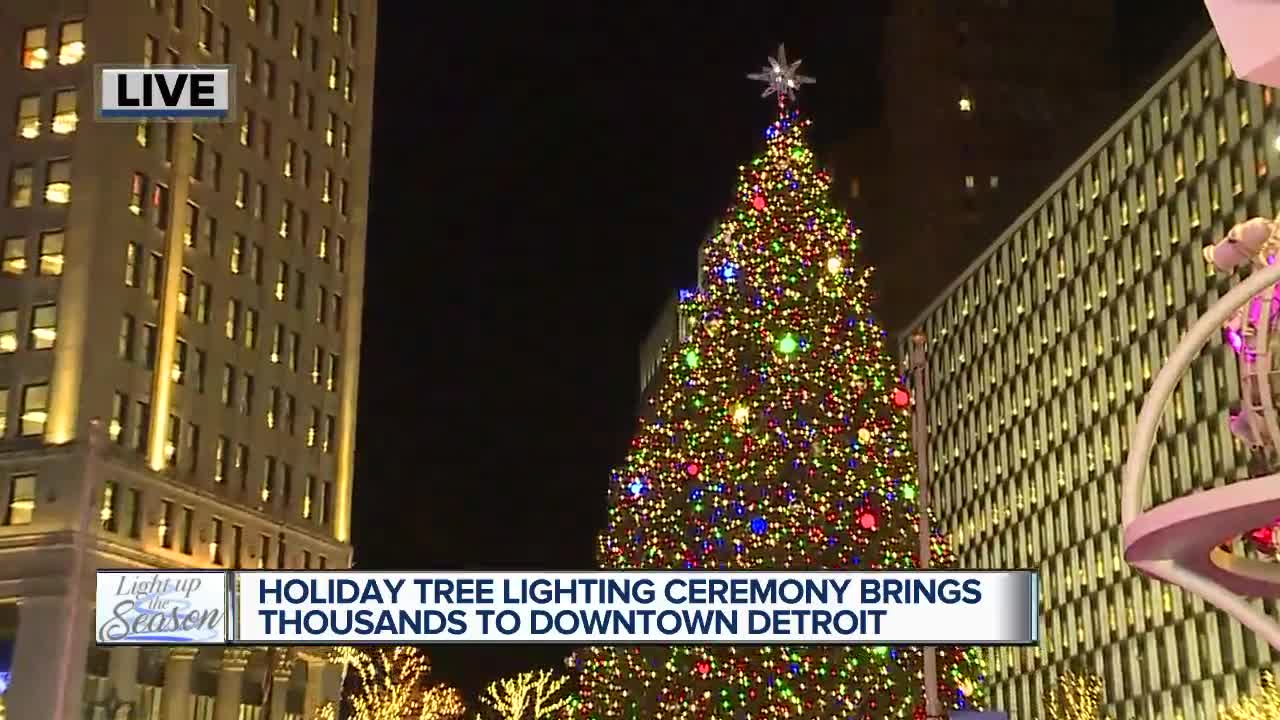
[
  {"x": 1264, "y": 705},
  {"x": 536, "y": 695},
  {"x": 1074, "y": 697},
  {"x": 817, "y": 474}
]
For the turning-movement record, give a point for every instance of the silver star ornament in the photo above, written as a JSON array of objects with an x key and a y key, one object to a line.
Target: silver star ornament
[{"x": 781, "y": 78}]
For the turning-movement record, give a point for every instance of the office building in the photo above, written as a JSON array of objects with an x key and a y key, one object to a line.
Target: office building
[
  {"x": 180, "y": 314},
  {"x": 1040, "y": 355},
  {"x": 979, "y": 113}
]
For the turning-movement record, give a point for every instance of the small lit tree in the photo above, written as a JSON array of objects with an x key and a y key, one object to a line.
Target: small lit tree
[
  {"x": 1263, "y": 705},
  {"x": 1074, "y": 697},
  {"x": 528, "y": 696},
  {"x": 392, "y": 685}
]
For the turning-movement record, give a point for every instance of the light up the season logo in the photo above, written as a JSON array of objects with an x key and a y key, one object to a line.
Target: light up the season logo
[{"x": 164, "y": 608}]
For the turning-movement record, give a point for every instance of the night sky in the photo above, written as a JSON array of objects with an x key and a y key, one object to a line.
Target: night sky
[{"x": 542, "y": 175}]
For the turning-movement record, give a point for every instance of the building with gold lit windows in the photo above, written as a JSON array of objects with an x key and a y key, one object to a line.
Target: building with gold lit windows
[
  {"x": 1039, "y": 356},
  {"x": 179, "y": 332}
]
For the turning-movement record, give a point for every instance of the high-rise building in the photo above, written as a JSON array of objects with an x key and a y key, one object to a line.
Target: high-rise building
[
  {"x": 979, "y": 112},
  {"x": 1040, "y": 355},
  {"x": 180, "y": 312}
]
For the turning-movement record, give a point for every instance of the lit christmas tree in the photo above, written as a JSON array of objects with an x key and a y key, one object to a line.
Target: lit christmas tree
[{"x": 777, "y": 438}]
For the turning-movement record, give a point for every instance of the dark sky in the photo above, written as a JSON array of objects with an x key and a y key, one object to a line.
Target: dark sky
[{"x": 542, "y": 175}]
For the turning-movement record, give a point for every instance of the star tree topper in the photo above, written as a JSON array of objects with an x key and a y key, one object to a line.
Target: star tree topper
[{"x": 781, "y": 77}]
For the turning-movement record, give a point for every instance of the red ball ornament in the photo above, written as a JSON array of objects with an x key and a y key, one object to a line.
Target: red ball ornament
[
  {"x": 758, "y": 202},
  {"x": 693, "y": 469},
  {"x": 704, "y": 667},
  {"x": 867, "y": 521},
  {"x": 901, "y": 398}
]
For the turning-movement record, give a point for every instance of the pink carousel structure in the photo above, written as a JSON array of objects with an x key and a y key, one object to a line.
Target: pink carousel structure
[
  {"x": 1188, "y": 541},
  {"x": 1247, "y": 30}
]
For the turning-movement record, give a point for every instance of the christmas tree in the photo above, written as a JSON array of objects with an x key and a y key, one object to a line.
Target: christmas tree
[{"x": 777, "y": 438}]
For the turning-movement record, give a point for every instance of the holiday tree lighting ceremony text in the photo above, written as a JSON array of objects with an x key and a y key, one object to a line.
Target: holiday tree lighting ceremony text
[{"x": 844, "y": 608}]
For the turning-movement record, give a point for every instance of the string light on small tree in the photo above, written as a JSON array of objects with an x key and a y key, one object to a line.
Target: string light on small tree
[
  {"x": 1074, "y": 697},
  {"x": 392, "y": 685},
  {"x": 535, "y": 695}
]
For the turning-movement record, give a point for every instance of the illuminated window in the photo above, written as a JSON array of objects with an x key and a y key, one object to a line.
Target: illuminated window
[
  {"x": 35, "y": 409},
  {"x": 228, "y": 385},
  {"x": 22, "y": 499},
  {"x": 215, "y": 543},
  {"x": 204, "y": 36},
  {"x": 1244, "y": 110},
  {"x": 317, "y": 359},
  {"x": 21, "y": 180},
  {"x": 252, "y": 7},
  {"x": 142, "y": 133},
  {"x": 295, "y": 44},
  {"x": 965, "y": 103},
  {"x": 277, "y": 340},
  {"x": 190, "y": 222},
  {"x": 328, "y": 443},
  {"x": 108, "y": 514},
  {"x": 160, "y": 205},
  {"x": 35, "y": 48},
  {"x": 132, "y": 265},
  {"x": 308, "y": 493},
  {"x": 119, "y": 414},
  {"x": 71, "y": 49},
  {"x": 335, "y": 20},
  {"x": 8, "y": 331},
  {"x": 330, "y": 130},
  {"x": 237, "y": 254},
  {"x": 322, "y": 306},
  {"x": 57, "y": 182},
  {"x": 65, "y": 118},
  {"x": 333, "y": 73},
  {"x": 14, "y": 261},
  {"x": 322, "y": 247},
  {"x": 242, "y": 189},
  {"x": 246, "y": 127},
  {"x": 1237, "y": 177},
  {"x": 293, "y": 349},
  {"x": 186, "y": 289},
  {"x": 286, "y": 215},
  {"x": 969, "y": 181},
  {"x": 349, "y": 85},
  {"x": 345, "y": 140},
  {"x": 250, "y": 328},
  {"x": 268, "y": 479},
  {"x": 282, "y": 281},
  {"x": 29, "y": 117},
  {"x": 326, "y": 189},
  {"x": 50, "y": 249},
  {"x": 1179, "y": 165},
  {"x": 313, "y": 427},
  {"x": 44, "y": 327},
  {"x": 221, "y": 459},
  {"x": 165, "y": 528},
  {"x": 273, "y": 406},
  {"x": 290, "y": 149},
  {"x": 232, "y": 326},
  {"x": 178, "y": 371},
  {"x": 204, "y": 301},
  {"x": 994, "y": 181}
]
